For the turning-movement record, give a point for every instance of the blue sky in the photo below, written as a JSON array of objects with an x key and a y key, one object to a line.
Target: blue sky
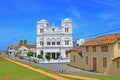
[{"x": 18, "y": 17}]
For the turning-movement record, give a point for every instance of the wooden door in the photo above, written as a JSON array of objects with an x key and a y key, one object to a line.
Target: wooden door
[{"x": 94, "y": 63}]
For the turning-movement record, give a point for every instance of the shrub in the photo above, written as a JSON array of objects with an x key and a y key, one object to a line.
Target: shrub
[
  {"x": 30, "y": 53},
  {"x": 48, "y": 56},
  {"x": 40, "y": 56}
]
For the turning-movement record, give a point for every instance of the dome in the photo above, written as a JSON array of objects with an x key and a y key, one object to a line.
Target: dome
[
  {"x": 43, "y": 20},
  {"x": 67, "y": 19}
]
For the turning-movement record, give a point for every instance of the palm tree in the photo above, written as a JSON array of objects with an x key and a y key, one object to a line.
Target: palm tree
[
  {"x": 20, "y": 42},
  {"x": 25, "y": 42}
]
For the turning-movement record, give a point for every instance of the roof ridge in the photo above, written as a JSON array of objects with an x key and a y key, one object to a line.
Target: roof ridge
[{"x": 105, "y": 39}]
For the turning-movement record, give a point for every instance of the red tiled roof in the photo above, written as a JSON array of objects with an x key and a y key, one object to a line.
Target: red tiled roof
[
  {"x": 2, "y": 51},
  {"x": 13, "y": 46},
  {"x": 75, "y": 48},
  {"x": 102, "y": 40},
  {"x": 29, "y": 46},
  {"x": 78, "y": 49}
]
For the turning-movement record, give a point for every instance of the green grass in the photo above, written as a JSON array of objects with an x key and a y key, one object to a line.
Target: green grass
[
  {"x": 16, "y": 72},
  {"x": 12, "y": 71},
  {"x": 37, "y": 67},
  {"x": 101, "y": 77}
]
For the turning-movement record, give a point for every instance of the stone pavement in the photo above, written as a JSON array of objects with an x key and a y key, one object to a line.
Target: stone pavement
[{"x": 63, "y": 67}]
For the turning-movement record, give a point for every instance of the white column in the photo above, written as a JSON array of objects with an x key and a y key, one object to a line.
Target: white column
[
  {"x": 44, "y": 55},
  {"x": 55, "y": 55},
  {"x": 51, "y": 55}
]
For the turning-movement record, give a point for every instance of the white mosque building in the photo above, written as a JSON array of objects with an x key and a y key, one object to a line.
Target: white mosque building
[{"x": 54, "y": 40}]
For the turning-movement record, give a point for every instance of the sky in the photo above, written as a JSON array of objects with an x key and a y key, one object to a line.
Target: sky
[{"x": 90, "y": 17}]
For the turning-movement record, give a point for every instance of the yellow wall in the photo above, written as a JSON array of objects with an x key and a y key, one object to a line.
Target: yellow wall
[
  {"x": 78, "y": 60},
  {"x": 113, "y": 52},
  {"x": 99, "y": 56},
  {"x": 116, "y": 50},
  {"x": 113, "y": 69}
]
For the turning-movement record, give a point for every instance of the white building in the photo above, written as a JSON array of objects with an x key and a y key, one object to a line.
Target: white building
[
  {"x": 80, "y": 41},
  {"x": 54, "y": 40},
  {"x": 12, "y": 50},
  {"x": 26, "y": 48}
]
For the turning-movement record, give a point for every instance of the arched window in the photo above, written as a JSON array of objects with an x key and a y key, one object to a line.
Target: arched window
[
  {"x": 41, "y": 30},
  {"x": 48, "y": 41},
  {"x": 58, "y": 41},
  {"x": 41, "y": 42},
  {"x": 66, "y": 29},
  {"x": 53, "y": 41},
  {"x": 66, "y": 41},
  {"x": 41, "y": 52},
  {"x": 67, "y": 53}
]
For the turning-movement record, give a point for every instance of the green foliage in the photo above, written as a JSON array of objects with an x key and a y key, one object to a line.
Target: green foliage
[
  {"x": 30, "y": 53},
  {"x": 20, "y": 42},
  {"x": 100, "y": 77},
  {"x": 40, "y": 56},
  {"x": 19, "y": 52},
  {"x": 23, "y": 42},
  {"x": 48, "y": 56}
]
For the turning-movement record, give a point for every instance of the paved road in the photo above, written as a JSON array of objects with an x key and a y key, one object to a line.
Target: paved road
[
  {"x": 62, "y": 67},
  {"x": 65, "y": 68}
]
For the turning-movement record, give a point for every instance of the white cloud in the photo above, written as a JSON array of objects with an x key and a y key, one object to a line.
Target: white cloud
[
  {"x": 105, "y": 15},
  {"x": 110, "y": 19},
  {"x": 74, "y": 11}
]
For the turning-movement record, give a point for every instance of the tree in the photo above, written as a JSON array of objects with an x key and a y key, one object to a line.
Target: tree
[
  {"x": 19, "y": 54},
  {"x": 20, "y": 42},
  {"x": 40, "y": 56},
  {"x": 25, "y": 42},
  {"x": 48, "y": 57},
  {"x": 29, "y": 54}
]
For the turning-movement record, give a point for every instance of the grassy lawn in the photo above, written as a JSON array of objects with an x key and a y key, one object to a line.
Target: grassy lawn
[
  {"x": 11, "y": 71},
  {"x": 92, "y": 76},
  {"x": 98, "y": 77},
  {"x": 104, "y": 77}
]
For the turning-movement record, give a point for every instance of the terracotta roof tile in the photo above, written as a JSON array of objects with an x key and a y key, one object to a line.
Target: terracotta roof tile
[
  {"x": 78, "y": 49},
  {"x": 13, "y": 46},
  {"x": 107, "y": 39},
  {"x": 29, "y": 46},
  {"x": 2, "y": 51},
  {"x": 75, "y": 48}
]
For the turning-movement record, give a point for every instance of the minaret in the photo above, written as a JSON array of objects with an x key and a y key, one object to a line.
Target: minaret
[
  {"x": 67, "y": 25},
  {"x": 42, "y": 25}
]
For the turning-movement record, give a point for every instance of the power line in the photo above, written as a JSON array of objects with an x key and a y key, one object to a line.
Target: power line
[{"x": 101, "y": 33}]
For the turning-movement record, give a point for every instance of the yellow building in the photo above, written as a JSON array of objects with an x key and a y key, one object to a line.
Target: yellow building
[{"x": 101, "y": 54}]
